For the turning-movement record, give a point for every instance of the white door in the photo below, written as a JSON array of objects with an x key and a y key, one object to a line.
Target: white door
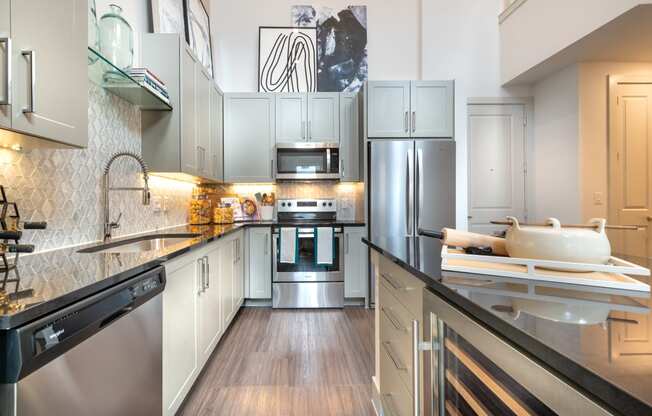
[
  {"x": 291, "y": 116},
  {"x": 180, "y": 361},
  {"x": 388, "y": 109},
  {"x": 431, "y": 103},
  {"x": 189, "y": 162},
  {"x": 249, "y": 137},
  {"x": 630, "y": 156},
  {"x": 5, "y": 62},
  {"x": 210, "y": 323},
  {"x": 50, "y": 69},
  {"x": 227, "y": 297},
  {"x": 324, "y": 117},
  {"x": 260, "y": 263},
  {"x": 496, "y": 165}
]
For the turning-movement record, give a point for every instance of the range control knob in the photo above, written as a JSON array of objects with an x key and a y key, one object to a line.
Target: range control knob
[
  {"x": 282, "y": 204},
  {"x": 323, "y": 204},
  {"x": 330, "y": 204}
]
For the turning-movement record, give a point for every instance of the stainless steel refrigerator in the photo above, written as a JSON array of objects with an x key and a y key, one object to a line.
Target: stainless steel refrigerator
[{"x": 411, "y": 186}]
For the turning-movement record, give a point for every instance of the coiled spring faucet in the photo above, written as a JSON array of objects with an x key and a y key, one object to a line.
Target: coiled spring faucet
[{"x": 111, "y": 225}]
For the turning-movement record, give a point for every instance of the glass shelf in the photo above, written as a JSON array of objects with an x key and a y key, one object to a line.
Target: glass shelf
[{"x": 103, "y": 73}]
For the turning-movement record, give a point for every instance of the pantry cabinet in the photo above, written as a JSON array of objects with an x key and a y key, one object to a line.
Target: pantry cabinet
[
  {"x": 249, "y": 137},
  {"x": 351, "y": 153},
  {"x": 43, "y": 82},
  {"x": 355, "y": 263},
  {"x": 260, "y": 263},
  {"x": 410, "y": 109}
]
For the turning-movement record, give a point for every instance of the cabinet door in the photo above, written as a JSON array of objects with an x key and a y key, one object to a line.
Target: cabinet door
[
  {"x": 238, "y": 271},
  {"x": 324, "y": 117},
  {"x": 355, "y": 263},
  {"x": 217, "y": 134},
  {"x": 431, "y": 103},
  {"x": 180, "y": 361},
  {"x": 49, "y": 69},
  {"x": 5, "y": 60},
  {"x": 291, "y": 116},
  {"x": 189, "y": 163},
  {"x": 226, "y": 281},
  {"x": 350, "y": 145},
  {"x": 260, "y": 263},
  {"x": 210, "y": 323},
  {"x": 388, "y": 109},
  {"x": 248, "y": 145},
  {"x": 203, "y": 102}
]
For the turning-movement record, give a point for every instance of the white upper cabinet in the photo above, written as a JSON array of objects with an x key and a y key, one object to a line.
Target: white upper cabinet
[
  {"x": 388, "y": 109},
  {"x": 249, "y": 126},
  {"x": 431, "y": 103},
  {"x": 217, "y": 133},
  {"x": 410, "y": 109},
  {"x": 350, "y": 143},
  {"x": 291, "y": 117},
  {"x": 189, "y": 153},
  {"x": 324, "y": 117},
  {"x": 5, "y": 61},
  {"x": 48, "y": 97},
  {"x": 203, "y": 100}
]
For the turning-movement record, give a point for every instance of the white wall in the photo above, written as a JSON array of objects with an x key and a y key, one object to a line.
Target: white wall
[
  {"x": 556, "y": 147},
  {"x": 461, "y": 42},
  {"x": 393, "y": 37}
]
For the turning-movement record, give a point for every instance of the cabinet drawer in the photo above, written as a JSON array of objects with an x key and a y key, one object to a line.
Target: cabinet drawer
[
  {"x": 396, "y": 335},
  {"x": 396, "y": 399},
  {"x": 405, "y": 287}
]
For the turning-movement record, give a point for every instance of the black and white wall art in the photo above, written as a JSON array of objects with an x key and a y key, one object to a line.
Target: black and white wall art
[
  {"x": 287, "y": 59},
  {"x": 167, "y": 16},
  {"x": 198, "y": 32},
  {"x": 341, "y": 45}
]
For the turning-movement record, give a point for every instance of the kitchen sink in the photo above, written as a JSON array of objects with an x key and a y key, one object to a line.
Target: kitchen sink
[{"x": 141, "y": 244}]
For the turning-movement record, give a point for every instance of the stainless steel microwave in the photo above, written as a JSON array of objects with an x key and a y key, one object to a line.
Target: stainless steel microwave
[{"x": 307, "y": 161}]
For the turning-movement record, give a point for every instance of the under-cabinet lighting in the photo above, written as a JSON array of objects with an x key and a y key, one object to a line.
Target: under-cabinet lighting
[{"x": 162, "y": 182}]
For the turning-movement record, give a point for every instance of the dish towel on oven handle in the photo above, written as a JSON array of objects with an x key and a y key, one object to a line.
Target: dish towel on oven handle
[
  {"x": 289, "y": 244},
  {"x": 324, "y": 243}
]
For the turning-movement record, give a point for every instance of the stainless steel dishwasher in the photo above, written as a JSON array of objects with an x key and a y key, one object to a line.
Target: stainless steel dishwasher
[{"x": 99, "y": 356}]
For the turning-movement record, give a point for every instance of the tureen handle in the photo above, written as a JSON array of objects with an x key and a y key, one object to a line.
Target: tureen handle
[
  {"x": 556, "y": 225},
  {"x": 514, "y": 222},
  {"x": 600, "y": 224}
]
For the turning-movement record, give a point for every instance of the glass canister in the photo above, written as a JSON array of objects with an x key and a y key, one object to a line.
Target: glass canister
[
  {"x": 200, "y": 210},
  {"x": 117, "y": 38},
  {"x": 93, "y": 29}
]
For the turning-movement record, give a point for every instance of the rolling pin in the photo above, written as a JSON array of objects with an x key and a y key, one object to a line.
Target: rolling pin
[{"x": 464, "y": 239}]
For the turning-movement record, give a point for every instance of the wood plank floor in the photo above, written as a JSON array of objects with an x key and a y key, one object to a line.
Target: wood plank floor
[{"x": 289, "y": 362}]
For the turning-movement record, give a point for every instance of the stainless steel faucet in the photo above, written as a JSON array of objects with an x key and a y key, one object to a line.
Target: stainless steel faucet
[{"x": 111, "y": 225}]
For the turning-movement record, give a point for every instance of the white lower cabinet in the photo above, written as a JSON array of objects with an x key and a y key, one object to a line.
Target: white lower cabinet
[
  {"x": 355, "y": 263},
  {"x": 260, "y": 263},
  {"x": 203, "y": 293}
]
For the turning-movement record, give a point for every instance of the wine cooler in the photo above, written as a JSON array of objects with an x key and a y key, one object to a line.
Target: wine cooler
[{"x": 469, "y": 371}]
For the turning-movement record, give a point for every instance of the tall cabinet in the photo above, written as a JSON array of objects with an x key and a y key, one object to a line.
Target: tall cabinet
[
  {"x": 186, "y": 139},
  {"x": 351, "y": 152},
  {"x": 410, "y": 109},
  {"x": 43, "y": 71}
]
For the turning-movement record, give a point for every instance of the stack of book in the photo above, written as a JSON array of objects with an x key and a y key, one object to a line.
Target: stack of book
[{"x": 151, "y": 82}]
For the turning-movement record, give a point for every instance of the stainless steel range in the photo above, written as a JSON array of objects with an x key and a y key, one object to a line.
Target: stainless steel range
[{"x": 306, "y": 284}]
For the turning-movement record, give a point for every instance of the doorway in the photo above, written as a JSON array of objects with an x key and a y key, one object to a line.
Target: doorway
[{"x": 496, "y": 143}]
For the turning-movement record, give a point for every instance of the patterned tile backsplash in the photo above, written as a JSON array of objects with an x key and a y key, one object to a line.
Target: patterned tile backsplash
[{"x": 64, "y": 187}]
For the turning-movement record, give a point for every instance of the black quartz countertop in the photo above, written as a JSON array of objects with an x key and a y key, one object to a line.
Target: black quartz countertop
[
  {"x": 594, "y": 357},
  {"x": 52, "y": 280}
]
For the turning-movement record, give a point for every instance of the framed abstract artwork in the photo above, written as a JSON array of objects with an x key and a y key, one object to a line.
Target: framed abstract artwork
[
  {"x": 198, "y": 32},
  {"x": 167, "y": 16},
  {"x": 287, "y": 59}
]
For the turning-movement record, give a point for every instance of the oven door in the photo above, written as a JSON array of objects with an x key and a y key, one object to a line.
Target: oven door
[
  {"x": 306, "y": 268},
  {"x": 307, "y": 161}
]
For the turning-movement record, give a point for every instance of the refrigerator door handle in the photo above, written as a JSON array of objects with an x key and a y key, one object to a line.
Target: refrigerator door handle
[
  {"x": 419, "y": 187},
  {"x": 410, "y": 194}
]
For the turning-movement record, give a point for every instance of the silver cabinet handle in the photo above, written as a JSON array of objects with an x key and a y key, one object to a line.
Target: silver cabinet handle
[
  {"x": 7, "y": 81},
  {"x": 405, "y": 122},
  {"x": 309, "y": 130},
  {"x": 303, "y": 130},
  {"x": 271, "y": 170},
  {"x": 415, "y": 369},
  {"x": 389, "y": 402},
  {"x": 208, "y": 273},
  {"x": 393, "y": 319},
  {"x": 346, "y": 243},
  {"x": 200, "y": 263},
  {"x": 266, "y": 243},
  {"x": 390, "y": 351},
  {"x": 342, "y": 167},
  {"x": 31, "y": 108},
  {"x": 419, "y": 187},
  {"x": 410, "y": 196},
  {"x": 414, "y": 121}
]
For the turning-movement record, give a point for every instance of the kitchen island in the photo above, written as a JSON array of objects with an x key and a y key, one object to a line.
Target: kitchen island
[{"x": 593, "y": 341}]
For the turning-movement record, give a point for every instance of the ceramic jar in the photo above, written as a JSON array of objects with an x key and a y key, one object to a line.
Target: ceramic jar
[{"x": 552, "y": 242}]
